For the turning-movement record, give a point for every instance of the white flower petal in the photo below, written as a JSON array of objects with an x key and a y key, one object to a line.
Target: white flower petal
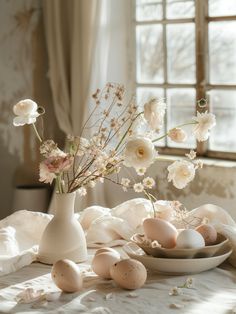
[
  {"x": 25, "y": 107},
  {"x": 154, "y": 112},
  {"x": 138, "y": 187},
  {"x": 181, "y": 172},
  {"x": 26, "y": 112},
  {"x": 139, "y": 152},
  {"x": 205, "y": 122}
]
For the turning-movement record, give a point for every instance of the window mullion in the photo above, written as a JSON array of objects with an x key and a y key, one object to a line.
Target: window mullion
[
  {"x": 166, "y": 21},
  {"x": 165, "y": 63},
  {"x": 201, "y": 9},
  {"x": 133, "y": 44}
]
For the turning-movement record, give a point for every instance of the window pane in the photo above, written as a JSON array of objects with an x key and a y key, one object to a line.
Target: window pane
[
  {"x": 144, "y": 95},
  {"x": 222, "y": 7},
  {"x": 181, "y": 109},
  {"x": 147, "y": 10},
  {"x": 181, "y": 53},
  {"x": 222, "y": 52},
  {"x": 180, "y": 9},
  {"x": 223, "y": 105},
  {"x": 149, "y": 54}
]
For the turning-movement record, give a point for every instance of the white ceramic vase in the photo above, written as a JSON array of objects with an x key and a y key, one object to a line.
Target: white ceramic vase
[{"x": 63, "y": 237}]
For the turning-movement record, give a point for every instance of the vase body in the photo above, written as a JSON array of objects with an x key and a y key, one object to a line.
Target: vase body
[{"x": 63, "y": 238}]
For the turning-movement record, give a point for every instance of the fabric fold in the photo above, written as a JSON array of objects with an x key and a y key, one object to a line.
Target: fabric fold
[{"x": 20, "y": 232}]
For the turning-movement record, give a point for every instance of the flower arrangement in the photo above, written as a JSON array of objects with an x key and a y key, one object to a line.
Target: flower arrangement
[{"x": 114, "y": 142}]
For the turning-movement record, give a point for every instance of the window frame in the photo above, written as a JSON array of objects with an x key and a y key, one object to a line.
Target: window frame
[{"x": 202, "y": 85}]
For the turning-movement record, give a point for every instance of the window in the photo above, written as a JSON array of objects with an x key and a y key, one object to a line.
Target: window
[{"x": 185, "y": 51}]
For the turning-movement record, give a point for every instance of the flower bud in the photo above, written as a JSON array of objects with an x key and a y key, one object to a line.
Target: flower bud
[{"x": 177, "y": 135}]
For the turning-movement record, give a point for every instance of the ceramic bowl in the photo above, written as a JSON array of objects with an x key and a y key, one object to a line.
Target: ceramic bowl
[
  {"x": 206, "y": 251},
  {"x": 174, "y": 266}
]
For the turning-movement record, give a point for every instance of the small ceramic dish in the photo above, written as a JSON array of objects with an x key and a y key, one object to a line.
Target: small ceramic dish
[
  {"x": 206, "y": 251},
  {"x": 177, "y": 266}
]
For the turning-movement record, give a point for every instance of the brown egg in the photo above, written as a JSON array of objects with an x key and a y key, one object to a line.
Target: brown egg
[
  {"x": 109, "y": 250},
  {"x": 102, "y": 263},
  {"x": 129, "y": 274},
  {"x": 66, "y": 276},
  {"x": 161, "y": 230},
  {"x": 208, "y": 232}
]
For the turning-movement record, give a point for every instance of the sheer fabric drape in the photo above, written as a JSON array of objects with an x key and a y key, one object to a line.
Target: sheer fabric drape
[{"x": 88, "y": 45}]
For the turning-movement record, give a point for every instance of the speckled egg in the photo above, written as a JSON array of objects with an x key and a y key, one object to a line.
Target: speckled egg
[
  {"x": 161, "y": 230},
  {"x": 109, "y": 250},
  {"x": 208, "y": 232},
  {"x": 102, "y": 263},
  {"x": 66, "y": 276},
  {"x": 189, "y": 239},
  {"x": 129, "y": 274}
]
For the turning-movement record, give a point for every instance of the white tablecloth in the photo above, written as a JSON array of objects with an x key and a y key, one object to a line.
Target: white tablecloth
[{"x": 214, "y": 292}]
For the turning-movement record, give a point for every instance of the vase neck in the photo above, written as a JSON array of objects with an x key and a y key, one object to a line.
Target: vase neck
[{"x": 65, "y": 205}]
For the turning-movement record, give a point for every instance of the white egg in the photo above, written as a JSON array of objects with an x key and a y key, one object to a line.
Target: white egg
[
  {"x": 189, "y": 239},
  {"x": 66, "y": 276},
  {"x": 102, "y": 263}
]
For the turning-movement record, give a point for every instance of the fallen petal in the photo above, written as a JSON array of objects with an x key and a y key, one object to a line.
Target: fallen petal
[
  {"x": 176, "y": 306},
  {"x": 109, "y": 296}
]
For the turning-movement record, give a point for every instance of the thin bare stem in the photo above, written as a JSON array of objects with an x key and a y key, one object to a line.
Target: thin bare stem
[
  {"x": 178, "y": 126},
  {"x": 124, "y": 136},
  {"x": 58, "y": 184},
  {"x": 150, "y": 199},
  {"x": 37, "y": 133}
]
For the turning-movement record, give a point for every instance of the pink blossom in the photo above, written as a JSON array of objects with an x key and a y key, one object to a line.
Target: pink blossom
[
  {"x": 58, "y": 164},
  {"x": 45, "y": 175},
  {"x": 50, "y": 167}
]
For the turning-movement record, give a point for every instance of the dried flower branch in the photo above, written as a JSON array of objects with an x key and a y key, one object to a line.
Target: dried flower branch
[{"x": 113, "y": 143}]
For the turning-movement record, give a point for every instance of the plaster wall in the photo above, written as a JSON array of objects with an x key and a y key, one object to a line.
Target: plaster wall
[
  {"x": 215, "y": 183},
  {"x": 23, "y": 74}
]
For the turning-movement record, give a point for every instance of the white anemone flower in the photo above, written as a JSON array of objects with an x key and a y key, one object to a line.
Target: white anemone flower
[
  {"x": 139, "y": 152},
  {"x": 181, "y": 172},
  {"x": 26, "y": 112},
  {"x": 154, "y": 112},
  {"x": 205, "y": 122}
]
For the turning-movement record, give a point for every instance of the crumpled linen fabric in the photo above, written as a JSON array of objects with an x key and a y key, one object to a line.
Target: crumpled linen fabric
[{"x": 20, "y": 232}]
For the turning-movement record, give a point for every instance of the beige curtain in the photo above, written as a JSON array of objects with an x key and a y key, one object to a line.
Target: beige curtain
[
  {"x": 71, "y": 30},
  {"x": 87, "y": 44}
]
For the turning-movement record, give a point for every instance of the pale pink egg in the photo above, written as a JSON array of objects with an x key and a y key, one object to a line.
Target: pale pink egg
[
  {"x": 66, "y": 275},
  {"x": 107, "y": 249},
  {"x": 161, "y": 230},
  {"x": 102, "y": 263}
]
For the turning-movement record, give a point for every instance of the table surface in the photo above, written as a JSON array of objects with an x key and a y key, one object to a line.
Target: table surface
[{"x": 214, "y": 291}]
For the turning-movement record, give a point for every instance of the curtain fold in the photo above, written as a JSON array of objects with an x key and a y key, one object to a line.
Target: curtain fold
[
  {"x": 71, "y": 30},
  {"x": 87, "y": 42}
]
